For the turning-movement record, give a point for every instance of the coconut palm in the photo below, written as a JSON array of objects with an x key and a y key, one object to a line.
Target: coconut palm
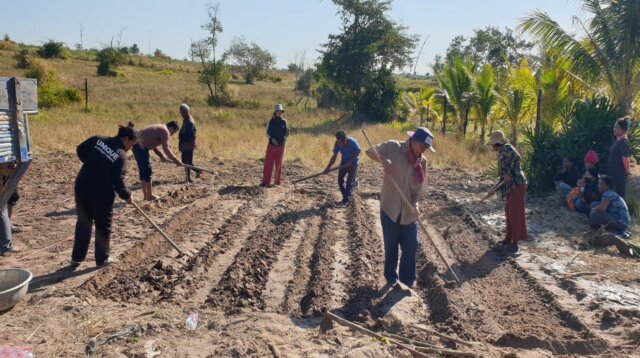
[
  {"x": 422, "y": 104},
  {"x": 486, "y": 96},
  {"x": 609, "y": 55},
  {"x": 517, "y": 99},
  {"x": 456, "y": 79}
]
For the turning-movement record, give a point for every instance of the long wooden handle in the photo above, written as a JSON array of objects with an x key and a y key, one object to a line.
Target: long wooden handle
[
  {"x": 197, "y": 168},
  {"x": 158, "y": 229},
  {"x": 496, "y": 187},
  {"x": 319, "y": 174},
  {"x": 408, "y": 204}
]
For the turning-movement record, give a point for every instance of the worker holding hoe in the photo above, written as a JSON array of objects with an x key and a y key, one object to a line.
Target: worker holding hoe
[
  {"x": 403, "y": 163},
  {"x": 104, "y": 166},
  {"x": 150, "y": 138},
  {"x": 349, "y": 150},
  {"x": 187, "y": 141}
]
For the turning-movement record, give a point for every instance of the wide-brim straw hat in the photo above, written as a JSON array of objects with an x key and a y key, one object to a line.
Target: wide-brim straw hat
[
  {"x": 497, "y": 137},
  {"x": 278, "y": 107}
]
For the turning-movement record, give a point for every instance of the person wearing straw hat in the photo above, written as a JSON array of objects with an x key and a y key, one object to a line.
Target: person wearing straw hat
[
  {"x": 403, "y": 162},
  {"x": 514, "y": 188},
  {"x": 277, "y": 133}
]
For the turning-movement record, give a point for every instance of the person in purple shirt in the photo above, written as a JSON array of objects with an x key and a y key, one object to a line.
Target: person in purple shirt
[{"x": 349, "y": 150}]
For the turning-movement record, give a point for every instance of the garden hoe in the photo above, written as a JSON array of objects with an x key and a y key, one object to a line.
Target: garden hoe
[
  {"x": 158, "y": 229},
  {"x": 319, "y": 174},
  {"x": 406, "y": 202},
  {"x": 496, "y": 187}
]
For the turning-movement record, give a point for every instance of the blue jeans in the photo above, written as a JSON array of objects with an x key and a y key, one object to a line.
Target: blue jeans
[
  {"x": 584, "y": 207},
  {"x": 407, "y": 237},
  {"x": 350, "y": 173},
  {"x": 563, "y": 188}
]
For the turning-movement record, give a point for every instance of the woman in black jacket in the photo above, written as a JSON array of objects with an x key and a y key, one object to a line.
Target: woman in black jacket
[{"x": 104, "y": 165}]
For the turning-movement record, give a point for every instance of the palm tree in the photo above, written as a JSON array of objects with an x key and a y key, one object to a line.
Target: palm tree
[
  {"x": 609, "y": 55},
  {"x": 422, "y": 104},
  {"x": 456, "y": 79},
  {"x": 517, "y": 100},
  {"x": 486, "y": 96}
]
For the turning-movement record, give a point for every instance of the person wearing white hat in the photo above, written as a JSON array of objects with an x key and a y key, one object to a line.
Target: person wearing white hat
[
  {"x": 513, "y": 188},
  {"x": 404, "y": 163},
  {"x": 277, "y": 132}
]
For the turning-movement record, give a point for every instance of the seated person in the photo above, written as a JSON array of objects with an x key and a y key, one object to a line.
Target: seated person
[
  {"x": 588, "y": 184},
  {"x": 567, "y": 179},
  {"x": 611, "y": 211}
]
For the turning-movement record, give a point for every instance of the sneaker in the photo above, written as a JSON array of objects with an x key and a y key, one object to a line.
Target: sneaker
[
  {"x": 354, "y": 185},
  {"x": 15, "y": 229},
  {"x": 11, "y": 251},
  {"x": 74, "y": 264},
  {"x": 110, "y": 261},
  {"x": 263, "y": 185}
]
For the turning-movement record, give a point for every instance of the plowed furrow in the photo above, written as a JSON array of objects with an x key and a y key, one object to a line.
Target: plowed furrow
[
  {"x": 497, "y": 302},
  {"x": 244, "y": 280}
]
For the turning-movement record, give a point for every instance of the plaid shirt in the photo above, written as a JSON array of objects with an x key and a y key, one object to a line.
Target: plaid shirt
[{"x": 509, "y": 163}]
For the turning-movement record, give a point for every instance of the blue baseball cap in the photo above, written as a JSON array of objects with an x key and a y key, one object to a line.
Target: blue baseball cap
[{"x": 424, "y": 136}]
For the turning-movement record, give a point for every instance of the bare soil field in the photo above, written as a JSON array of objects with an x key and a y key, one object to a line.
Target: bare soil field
[{"x": 265, "y": 264}]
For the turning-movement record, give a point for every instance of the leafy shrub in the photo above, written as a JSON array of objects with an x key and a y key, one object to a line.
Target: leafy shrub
[
  {"x": 223, "y": 98},
  {"x": 249, "y": 104},
  {"x": 275, "y": 79},
  {"x": 53, "y": 94},
  {"x": 590, "y": 127},
  {"x": 166, "y": 73},
  {"x": 53, "y": 49},
  {"x": 109, "y": 58},
  {"x": 41, "y": 71},
  {"x": 9, "y": 45},
  {"x": 24, "y": 58}
]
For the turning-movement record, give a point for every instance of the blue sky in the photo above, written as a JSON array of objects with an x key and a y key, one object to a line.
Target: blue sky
[{"x": 284, "y": 27}]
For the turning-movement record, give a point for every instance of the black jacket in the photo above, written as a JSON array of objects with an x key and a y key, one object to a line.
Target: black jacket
[
  {"x": 277, "y": 128},
  {"x": 104, "y": 165}
]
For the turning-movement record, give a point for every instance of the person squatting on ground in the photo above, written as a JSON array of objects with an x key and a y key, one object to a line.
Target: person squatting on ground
[
  {"x": 567, "y": 179},
  {"x": 104, "y": 166},
  {"x": 187, "y": 140},
  {"x": 618, "y": 165},
  {"x": 587, "y": 191},
  {"x": 349, "y": 150},
  {"x": 404, "y": 163},
  {"x": 514, "y": 188},
  {"x": 150, "y": 138},
  {"x": 277, "y": 132},
  {"x": 611, "y": 211}
]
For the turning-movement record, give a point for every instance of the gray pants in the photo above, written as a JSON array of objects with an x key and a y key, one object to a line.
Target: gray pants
[
  {"x": 6, "y": 239},
  {"x": 597, "y": 218}
]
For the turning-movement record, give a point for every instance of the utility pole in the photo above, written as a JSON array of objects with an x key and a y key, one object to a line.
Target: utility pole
[{"x": 81, "y": 44}]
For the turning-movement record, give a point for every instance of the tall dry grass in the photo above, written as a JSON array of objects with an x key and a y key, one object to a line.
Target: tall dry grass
[{"x": 145, "y": 97}]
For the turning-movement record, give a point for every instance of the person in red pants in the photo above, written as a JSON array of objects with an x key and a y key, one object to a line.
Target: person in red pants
[
  {"x": 277, "y": 132},
  {"x": 514, "y": 188}
]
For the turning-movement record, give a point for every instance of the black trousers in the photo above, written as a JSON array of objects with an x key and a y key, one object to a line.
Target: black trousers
[{"x": 90, "y": 210}]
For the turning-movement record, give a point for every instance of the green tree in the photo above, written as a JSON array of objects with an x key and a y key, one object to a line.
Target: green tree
[
  {"x": 251, "y": 58},
  {"x": 214, "y": 73},
  {"x": 609, "y": 55},
  {"x": 358, "y": 62},
  {"x": 486, "y": 96},
  {"x": 517, "y": 99},
  {"x": 490, "y": 45},
  {"x": 53, "y": 49},
  {"x": 109, "y": 58},
  {"x": 456, "y": 79},
  {"x": 134, "y": 49}
]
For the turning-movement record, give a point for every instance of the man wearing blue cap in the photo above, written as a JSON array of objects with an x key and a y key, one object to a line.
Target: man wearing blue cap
[
  {"x": 404, "y": 163},
  {"x": 349, "y": 150}
]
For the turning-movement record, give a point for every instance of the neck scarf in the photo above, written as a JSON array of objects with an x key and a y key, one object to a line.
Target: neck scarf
[{"x": 416, "y": 163}]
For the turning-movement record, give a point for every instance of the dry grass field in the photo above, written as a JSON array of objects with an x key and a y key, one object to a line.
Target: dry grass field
[{"x": 145, "y": 95}]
